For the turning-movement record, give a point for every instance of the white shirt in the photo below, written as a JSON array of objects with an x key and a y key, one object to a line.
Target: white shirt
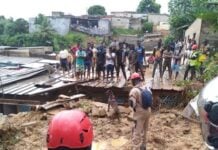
[
  {"x": 63, "y": 54},
  {"x": 110, "y": 58}
]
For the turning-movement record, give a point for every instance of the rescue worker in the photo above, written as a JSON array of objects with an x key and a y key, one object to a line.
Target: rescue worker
[
  {"x": 208, "y": 112},
  {"x": 193, "y": 63},
  {"x": 140, "y": 115},
  {"x": 70, "y": 130}
]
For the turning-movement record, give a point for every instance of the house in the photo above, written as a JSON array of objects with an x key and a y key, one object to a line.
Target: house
[
  {"x": 157, "y": 18},
  {"x": 129, "y": 14},
  {"x": 126, "y": 23},
  {"x": 63, "y": 24},
  {"x": 200, "y": 30}
]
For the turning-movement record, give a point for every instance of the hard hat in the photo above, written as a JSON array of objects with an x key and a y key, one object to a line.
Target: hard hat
[
  {"x": 208, "y": 111},
  {"x": 70, "y": 129},
  {"x": 194, "y": 47},
  {"x": 135, "y": 76}
]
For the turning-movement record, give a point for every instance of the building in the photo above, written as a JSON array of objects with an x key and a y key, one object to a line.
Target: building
[
  {"x": 129, "y": 14},
  {"x": 200, "y": 30},
  {"x": 157, "y": 18},
  {"x": 126, "y": 23},
  {"x": 63, "y": 24},
  {"x": 59, "y": 22}
]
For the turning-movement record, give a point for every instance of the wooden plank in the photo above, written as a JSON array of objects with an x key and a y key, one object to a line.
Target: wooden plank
[
  {"x": 18, "y": 102},
  {"x": 59, "y": 102}
]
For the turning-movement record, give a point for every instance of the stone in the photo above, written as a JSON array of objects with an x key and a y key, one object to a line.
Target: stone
[
  {"x": 186, "y": 131},
  {"x": 98, "y": 112},
  {"x": 125, "y": 110},
  {"x": 44, "y": 117}
]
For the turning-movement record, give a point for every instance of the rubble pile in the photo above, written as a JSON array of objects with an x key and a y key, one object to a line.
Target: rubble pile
[{"x": 167, "y": 130}]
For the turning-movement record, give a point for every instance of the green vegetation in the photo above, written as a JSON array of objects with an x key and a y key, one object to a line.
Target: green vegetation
[
  {"x": 97, "y": 10},
  {"x": 16, "y": 33},
  {"x": 147, "y": 27},
  {"x": 148, "y": 6},
  {"x": 119, "y": 31},
  {"x": 183, "y": 13},
  {"x": 167, "y": 40},
  {"x": 211, "y": 70}
]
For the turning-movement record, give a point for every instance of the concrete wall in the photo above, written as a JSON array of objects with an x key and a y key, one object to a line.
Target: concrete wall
[
  {"x": 163, "y": 26},
  {"x": 32, "y": 26},
  {"x": 135, "y": 23},
  {"x": 157, "y": 18},
  {"x": 129, "y": 15},
  {"x": 194, "y": 28},
  {"x": 27, "y": 51},
  {"x": 60, "y": 24},
  {"x": 131, "y": 39},
  {"x": 208, "y": 33},
  {"x": 104, "y": 25},
  {"x": 120, "y": 22}
]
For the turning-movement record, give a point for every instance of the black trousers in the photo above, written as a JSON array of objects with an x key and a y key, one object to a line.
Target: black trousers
[
  {"x": 122, "y": 67},
  {"x": 192, "y": 69}
]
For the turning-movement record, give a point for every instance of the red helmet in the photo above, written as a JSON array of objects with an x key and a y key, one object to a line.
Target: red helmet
[
  {"x": 71, "y": 129},
  {"x": 194, "y": 47},
  {"x": 135, "y": 76}
]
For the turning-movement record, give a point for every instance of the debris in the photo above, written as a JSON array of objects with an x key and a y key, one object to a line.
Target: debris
[
  {"x": 59, "y": 102},
  {"x": 29, "y": 124},
  {"x": 98, "y": 112}
]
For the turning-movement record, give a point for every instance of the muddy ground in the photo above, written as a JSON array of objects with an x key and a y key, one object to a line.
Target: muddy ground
[{"x": 167, "y": 130}]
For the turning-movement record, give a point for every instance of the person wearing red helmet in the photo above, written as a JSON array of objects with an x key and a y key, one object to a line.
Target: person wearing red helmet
[
  {"x": 138, "y": 96},
  {"x": 70, "y": 130}
]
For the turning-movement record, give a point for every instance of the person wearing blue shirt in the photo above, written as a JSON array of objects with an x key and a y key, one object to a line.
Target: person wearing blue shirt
[{"x": 140, "y": 58}]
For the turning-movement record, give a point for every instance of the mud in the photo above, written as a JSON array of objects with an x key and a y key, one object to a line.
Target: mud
[{"x": 167, "y": 130}]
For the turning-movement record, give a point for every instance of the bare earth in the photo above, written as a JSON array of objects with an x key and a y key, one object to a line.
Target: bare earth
[{"x": 167, "y": 130}]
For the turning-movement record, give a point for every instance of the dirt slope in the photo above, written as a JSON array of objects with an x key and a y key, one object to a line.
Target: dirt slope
[{"x": 168, "y": 130}]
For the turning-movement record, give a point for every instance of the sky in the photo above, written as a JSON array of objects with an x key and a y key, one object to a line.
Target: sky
[{"x": 31, "y": 8}]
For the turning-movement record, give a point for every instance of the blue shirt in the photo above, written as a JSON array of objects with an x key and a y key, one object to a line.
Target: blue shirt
[{"x": 141, "y": 53}]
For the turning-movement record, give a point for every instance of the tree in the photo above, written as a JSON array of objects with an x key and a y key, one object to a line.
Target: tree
[
  {"x": 147, "y": 27},
  {"x": 183, "y": 13},
  {"x": 45, "y": 31},
  {"x": 97, "y": 10},
  {"x": 148, "y": 6},
  {"x": 21, "y": 26}
]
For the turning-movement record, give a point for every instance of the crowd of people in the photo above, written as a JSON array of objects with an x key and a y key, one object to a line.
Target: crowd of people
[
  {"x": 103, "y": 62},
  {"x": 106, "y": 61},
  {"x": 178, "y": 53}
]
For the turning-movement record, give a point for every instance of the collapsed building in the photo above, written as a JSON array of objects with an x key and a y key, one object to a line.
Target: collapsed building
[{"x": 63, "y": 24}]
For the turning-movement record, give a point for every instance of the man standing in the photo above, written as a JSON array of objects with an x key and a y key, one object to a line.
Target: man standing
[
  {"x": 94, "y": 59},
  {"x": 193, "y": 63},
  {"x": 141, "y": 57},
  {"x": 121, "y": 61},
  {"x": 88, "y": 61},
  {"x": 141, "y": 112},
  {"x": 63, "y": 55},
  {"x": 177, "y": 61},
  {"x": 101, "y": 58},
  {"x": 80, "y": 66},
  {"x": 167, "y": 55},
  {"x": 158, "y": 58},
  {"x": 132, "y": 56}
]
